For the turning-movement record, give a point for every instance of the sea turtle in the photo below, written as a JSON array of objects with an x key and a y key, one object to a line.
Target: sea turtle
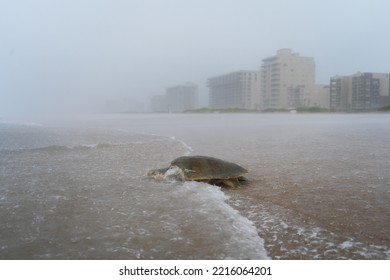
[{"x": 202, "y": 169}]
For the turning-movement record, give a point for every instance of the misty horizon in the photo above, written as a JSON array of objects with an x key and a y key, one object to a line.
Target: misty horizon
[{"x": 67, "y": 56}]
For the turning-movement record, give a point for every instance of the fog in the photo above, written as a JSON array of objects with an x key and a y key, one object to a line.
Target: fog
[{"x": 72, "y": 56}]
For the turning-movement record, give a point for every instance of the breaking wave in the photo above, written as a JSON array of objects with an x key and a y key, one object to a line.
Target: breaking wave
[
  {"x": 240, "y": 236},
  {"x": 184, "y": 144}
]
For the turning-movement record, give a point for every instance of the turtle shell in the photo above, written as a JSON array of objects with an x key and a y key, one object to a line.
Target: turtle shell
[{"x": 207, "y": 168}]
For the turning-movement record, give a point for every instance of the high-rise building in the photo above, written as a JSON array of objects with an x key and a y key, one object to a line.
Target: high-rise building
[
  {"x": 340, "y": 88},
  {"x": 238, "y": 89},
  {"x": 287, "y": 80},
  {"x": 182, "y": 97},
  {"x": 361, "y": 91}
]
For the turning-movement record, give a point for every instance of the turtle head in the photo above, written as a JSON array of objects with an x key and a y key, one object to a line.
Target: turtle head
[
  {"x": 174, "y": 173},
  {"x": 157, "y": 174}
]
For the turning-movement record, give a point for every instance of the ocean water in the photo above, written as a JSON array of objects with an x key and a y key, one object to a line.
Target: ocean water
[{"x": 318, "y": 187}]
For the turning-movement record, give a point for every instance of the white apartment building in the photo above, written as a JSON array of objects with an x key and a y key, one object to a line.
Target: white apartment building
[
  {"x": 287, "y": 80},
  {"x": 238, "y": 89}
]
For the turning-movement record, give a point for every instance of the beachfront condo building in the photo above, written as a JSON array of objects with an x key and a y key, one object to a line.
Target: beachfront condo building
[
  {"x": 361, "y": 91},
  {"x": 239, "y": 89},
  {"x": 287, "y": 81}
]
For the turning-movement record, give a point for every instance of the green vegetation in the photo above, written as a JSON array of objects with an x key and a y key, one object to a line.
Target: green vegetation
[
  {"x": 275, "y": 111},
  {"x": 201, "y": 110},
  {"x": 384, "y": 109},
  {"x": 313, "y": 109},
  {"x": 236, "y": 110},
  {"x": 230, "y": 110}
]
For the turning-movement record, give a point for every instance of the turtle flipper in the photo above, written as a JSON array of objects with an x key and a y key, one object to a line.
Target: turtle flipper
[{"x": 232, "y": 183}]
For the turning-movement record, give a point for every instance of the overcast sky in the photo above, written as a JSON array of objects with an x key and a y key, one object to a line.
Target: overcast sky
[{"x": 70, "y": 55}]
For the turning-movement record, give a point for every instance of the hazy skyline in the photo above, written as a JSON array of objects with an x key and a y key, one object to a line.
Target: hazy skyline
[{"x": 68, "y": 56}]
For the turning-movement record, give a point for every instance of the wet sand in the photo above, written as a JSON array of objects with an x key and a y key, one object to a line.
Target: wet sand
[{"x": 317, "y": 223}]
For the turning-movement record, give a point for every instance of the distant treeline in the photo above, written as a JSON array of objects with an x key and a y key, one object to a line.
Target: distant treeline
[{"x": 313, "y": 109}]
